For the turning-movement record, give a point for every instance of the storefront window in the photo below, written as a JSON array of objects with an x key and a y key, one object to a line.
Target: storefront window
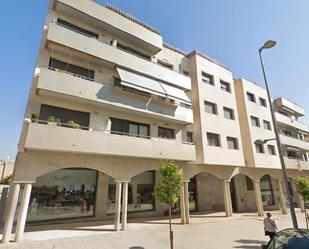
[
  {"x": 140, "y": 193},
  {"x": 66, "y": 193},
  {"x": 266, "y": 191}
]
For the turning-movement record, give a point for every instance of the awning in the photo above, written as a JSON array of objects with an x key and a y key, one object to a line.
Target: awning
[
  {"x": 292, "y": 148},
  {"x": 141, "y": 83},
  {"x": 175, "y": 93},
  {"x": 146, "y": 84}
]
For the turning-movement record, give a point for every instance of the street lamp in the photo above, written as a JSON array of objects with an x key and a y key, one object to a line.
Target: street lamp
[{"x": 267, "y": 45}]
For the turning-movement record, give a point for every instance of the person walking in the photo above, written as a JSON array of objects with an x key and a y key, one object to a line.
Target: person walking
[{"x": 270, "y": 226}]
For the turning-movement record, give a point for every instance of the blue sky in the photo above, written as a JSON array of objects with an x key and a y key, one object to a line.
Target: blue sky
[{"x": 230, "y": 31}]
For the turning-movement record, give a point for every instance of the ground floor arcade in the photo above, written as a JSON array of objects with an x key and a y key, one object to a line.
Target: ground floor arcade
[{"x": 55, "y": 186}]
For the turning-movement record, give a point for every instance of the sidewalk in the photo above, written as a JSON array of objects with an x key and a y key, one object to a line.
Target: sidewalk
[{"x": 211, "y": 231}]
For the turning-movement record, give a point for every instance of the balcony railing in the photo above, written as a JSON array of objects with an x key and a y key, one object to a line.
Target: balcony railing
[
  {"x": 105, "y": 131},
  {"x": 182, "y": 80},
  {"x": 40, "y": 135}
]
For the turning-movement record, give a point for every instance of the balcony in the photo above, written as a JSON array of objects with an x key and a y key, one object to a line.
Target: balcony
[
  {"x": 290, "y": 122},
  {"x": 113, "y": 21},
  {"x": 56, "y": 138},
  {"x": 291, "y": 141},
  {"x": 296, "y": 164},
  {"x": 115, "y": 56},
  {"x": 61, "y": 83},
  {"x": 286, "y": 105}
]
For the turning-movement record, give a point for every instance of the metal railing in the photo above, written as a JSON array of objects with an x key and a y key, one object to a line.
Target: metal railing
[
  {"x": 92, "y": 37},
  {"x": 105, "y": 131}
]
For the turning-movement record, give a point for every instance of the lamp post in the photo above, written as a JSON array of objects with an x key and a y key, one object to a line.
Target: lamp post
[{"x": 267, "y": 45}]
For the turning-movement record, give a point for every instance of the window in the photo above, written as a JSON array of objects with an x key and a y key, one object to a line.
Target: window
[
  {"x": 267, "y": 125},
  {"x": 133, "y": 51},
  {"x": 232, "y": 143},
  {"x": 255, "y": 121},
  {"x": 213, "y": 139},
  {"x": 129, "y": 128},
  {"x": 65, "y": 193},
  {"x": 225, "y": 86},
  {"x": 76, "y": 29},
  {"x": 77, "y": 71},
  {"x": 249, "y": 184},
  {"x": 208, "y": 79},
  {"x": 292, "y": 154},
  {"x": 186, "y": 73},
  {"x": 259, "y": 148},
  {"x": 263, "y": 102},
  {"x": 251, "y": 97},
  {"x": 267, "y": 191},
  {"x": 166, "y": 133},
  {"x": 228, "y": 113},
  {"x": 64, "y": 115},
  {"x": 140, "y": 193},
  {"x": 287, "y": 133},
  {"x": 165, "y": 64},
  {"x": 189, "y": 137},
  {"x": 271, "y": 149},
  {"x": 210, "y": 107}
]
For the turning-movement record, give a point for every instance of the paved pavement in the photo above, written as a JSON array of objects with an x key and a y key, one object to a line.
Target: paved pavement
[{"x": 209, "y": 231}]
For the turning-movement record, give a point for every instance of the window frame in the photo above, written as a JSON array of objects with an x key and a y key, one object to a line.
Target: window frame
[
  {"x": 235, "y": 143},
  {"x": 231, "y": 111},
  {"x": 256, "y": 119},
  {"x": 261, "y": 146},
  {"x": 225, "y": 84},
  {"x": 210, "y": 81},
  {"x": 249, "y": 95},
  {"x": 268, "y": 125},
  {"x": 262, "y": 100},
  {"x": 271, "y": 150},
  {"x": 215, "y": 135},
  {"x": 165, "y": 130},
  {"x": 214, "y": 107}
]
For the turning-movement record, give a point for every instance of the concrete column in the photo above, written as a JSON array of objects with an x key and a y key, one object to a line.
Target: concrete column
[
  {"x": 101, "y": 202},
  {"x": 11, "y": 209},
  {"x": 124, "y": 205},
  {"x": 186, "y": 202},
  {"x": 117, "y": 205},
  {"x": 182, "y": 205},
  {"x": 21, "y": 222},
  {"x": 227, "y": 198},
  {"x": 282, "y": 197},
  {"x": 258, "y": 197}
]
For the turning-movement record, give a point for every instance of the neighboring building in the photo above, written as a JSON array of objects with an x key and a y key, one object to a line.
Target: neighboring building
[
  {"x": 6, "y": 169},
  {"x": 109, "y": 100}
]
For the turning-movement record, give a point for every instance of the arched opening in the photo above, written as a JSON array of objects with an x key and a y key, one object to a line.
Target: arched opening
[
  {"x": 63, "y": 194},
  {"x": 242, "y": 194},
  {"x": 140, "y": 193},
  {"x": 269, "y": 193},
  {"x": 205, "y": 191}
]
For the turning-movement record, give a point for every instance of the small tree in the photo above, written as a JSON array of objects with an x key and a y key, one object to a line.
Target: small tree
[
  {"x": 302, "y": 186},
  {"x": 168, "y": 190}
]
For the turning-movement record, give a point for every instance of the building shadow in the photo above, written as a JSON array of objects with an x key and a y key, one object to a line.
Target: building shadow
[{"x": 136, "y": 247}]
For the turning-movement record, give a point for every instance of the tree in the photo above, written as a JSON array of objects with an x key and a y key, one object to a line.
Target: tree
[
  {"x": 302, "y": 186},
  {"x": 168, "y": 190}
]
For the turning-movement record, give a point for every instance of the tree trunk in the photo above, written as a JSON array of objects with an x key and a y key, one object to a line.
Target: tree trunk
[
  {"x": 306, "y": 217},
  {"x": 170, "y": 223}
]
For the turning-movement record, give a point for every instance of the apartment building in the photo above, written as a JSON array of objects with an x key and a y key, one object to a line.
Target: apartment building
[{"x": 109, "y": 100}]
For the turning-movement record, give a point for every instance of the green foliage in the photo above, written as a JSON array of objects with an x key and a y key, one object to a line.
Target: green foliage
[
  {"x": 51, "y": 119},
  {"x": 6, "y": 180},
  {"x": 34, "y": 116},
  {"x": 73, "y": 124},
  {"x": 302, "y": 186},
  {"x": 168, "y": 190}
]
